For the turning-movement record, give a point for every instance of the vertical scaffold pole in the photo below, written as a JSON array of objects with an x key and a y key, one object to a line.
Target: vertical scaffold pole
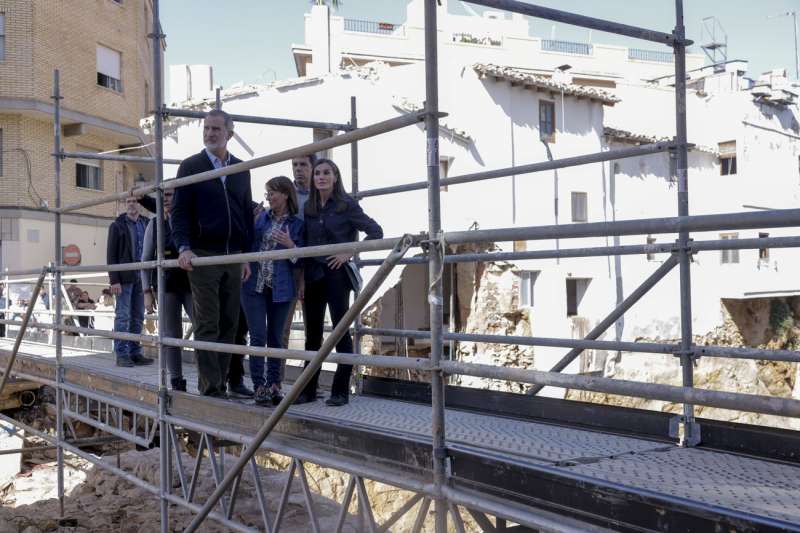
[
  {"x": 57, "y": 255},
  {"x": 354, "y": 191},
  {"x": 158, "y": 157},
  {"x": 691, "y": 434},
  {"x": 435, "y": 264}
]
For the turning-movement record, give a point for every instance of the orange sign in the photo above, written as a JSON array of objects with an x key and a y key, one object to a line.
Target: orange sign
[{"x": 72, "y": 255}]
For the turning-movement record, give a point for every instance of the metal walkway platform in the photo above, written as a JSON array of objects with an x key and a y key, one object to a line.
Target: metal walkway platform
[{"x": 561, "y": 457}]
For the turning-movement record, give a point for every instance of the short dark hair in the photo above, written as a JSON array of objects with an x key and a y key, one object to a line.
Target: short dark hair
[
  {"x": 73, "y": 281},
  {"x": 220, "y": 113},
  {"x": 312, "y": 158}
]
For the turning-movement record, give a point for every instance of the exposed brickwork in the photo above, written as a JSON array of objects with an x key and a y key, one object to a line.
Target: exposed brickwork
[{"x": 42, "y": 35}]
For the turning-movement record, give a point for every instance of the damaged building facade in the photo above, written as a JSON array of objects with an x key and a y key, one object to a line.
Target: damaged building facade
[{"x": 508, "y": 109}]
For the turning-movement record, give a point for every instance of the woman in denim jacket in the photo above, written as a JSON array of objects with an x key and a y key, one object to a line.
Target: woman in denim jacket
[
  {"x": 268, "y": 293},
  {"x": 331, "y": 217}
]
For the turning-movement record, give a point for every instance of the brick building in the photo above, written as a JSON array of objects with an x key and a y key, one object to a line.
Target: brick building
[{"x": 105, "y": 59}]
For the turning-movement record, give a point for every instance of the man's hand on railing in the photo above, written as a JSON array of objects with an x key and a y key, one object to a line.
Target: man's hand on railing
[{"x": 185, "y": 260}]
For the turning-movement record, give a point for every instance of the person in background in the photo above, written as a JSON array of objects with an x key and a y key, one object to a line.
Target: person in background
[
  {"x": 209, "y": 218},
  {"x": 177, "y": 293},
  {"x": 331, "y": 217},
  {"x": 73, "y": 291},
  {"x": 85, "y": 303},
  {"x": 301, "y": 170},
  {"x": 268, "y": 296},
  {"x": 125, "y": 241}
]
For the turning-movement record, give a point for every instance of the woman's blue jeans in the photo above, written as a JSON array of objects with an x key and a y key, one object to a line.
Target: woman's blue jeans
[{"x": 266, "y": 320}]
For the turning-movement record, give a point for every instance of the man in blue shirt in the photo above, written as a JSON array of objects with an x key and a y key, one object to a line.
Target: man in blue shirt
[{"x": 125, "y": 240}]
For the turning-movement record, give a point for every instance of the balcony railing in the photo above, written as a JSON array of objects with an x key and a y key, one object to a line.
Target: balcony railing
[
  {"x": 371, "y": 26},
  {"x": 650, "y": 55},
  {"x": 566, "y": 47}
]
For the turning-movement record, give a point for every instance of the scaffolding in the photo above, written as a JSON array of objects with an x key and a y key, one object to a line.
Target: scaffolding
[{"x": 109, "y": 413}]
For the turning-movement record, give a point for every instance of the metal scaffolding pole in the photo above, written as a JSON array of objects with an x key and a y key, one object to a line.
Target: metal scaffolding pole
[
  {"x": 691, "y": 435},
  {"x": 354, "y": 192},
  {"x": 270, "y": 121},
  {"x": 158, "y": 155},
  {"x": 436, "y": 253},
  {"x": 555, "y": 15},
  {"x": 372, "y": 130},
  {"x": 574, "y": 161},
  {"x": 327, "y": 347},
  {"x": 22, "y": 329},
  {"x": 58, "y": 261}
]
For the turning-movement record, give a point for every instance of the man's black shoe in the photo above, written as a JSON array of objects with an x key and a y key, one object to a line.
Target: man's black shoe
[
  {"x": 305, "y": 398},
  {"x": 337, "y": 400},
  {"x": 125, "y": 361},
  {"x": 140, "y": 360},
  {"x": 178, "y": 384},
  {"x": 239, "y": 392}
]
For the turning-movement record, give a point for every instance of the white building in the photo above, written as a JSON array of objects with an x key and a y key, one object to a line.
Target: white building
[
  {"x": 333, "y": 43},
  {"x": 746, "y": 157}
]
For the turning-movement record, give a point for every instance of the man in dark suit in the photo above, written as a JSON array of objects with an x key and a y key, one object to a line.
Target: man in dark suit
[{"x": 212, "y": 218}]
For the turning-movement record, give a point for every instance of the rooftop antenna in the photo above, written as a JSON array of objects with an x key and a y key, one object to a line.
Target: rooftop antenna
[
  {"x": 714, "y": 41},
  {"x": 792, "y": 14}
]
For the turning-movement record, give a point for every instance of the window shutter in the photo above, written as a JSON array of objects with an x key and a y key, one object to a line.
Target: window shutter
[{"x": 108, "y": 62}]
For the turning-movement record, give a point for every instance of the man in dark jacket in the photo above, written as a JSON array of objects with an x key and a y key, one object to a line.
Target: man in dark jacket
[
  {"x": 125, "y": 240},
  {"x": 211, "y": 218}
]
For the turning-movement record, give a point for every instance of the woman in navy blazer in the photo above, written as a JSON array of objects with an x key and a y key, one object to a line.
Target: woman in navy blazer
[
  {"x": 268, "y": 293},
  {"x": 331, "y": 217}
]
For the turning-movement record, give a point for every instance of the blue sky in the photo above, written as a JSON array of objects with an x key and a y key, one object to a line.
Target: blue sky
[{"x": 250, "y": 40}]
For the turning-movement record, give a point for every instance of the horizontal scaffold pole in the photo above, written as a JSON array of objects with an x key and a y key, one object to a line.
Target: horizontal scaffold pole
[
  {"x": 307, "y": 251},
  {"x": 598, "y": 157},
  {"x": 752, "y": 403},
  {"x": 114, "y": 157},
  {"x": 777, "y": 218},
  {"x": 269, "y": 121},
  {"x": 597, "y": 251},
  {"x": 372, "y": 130},
  {"x": 583, "y": 21}
]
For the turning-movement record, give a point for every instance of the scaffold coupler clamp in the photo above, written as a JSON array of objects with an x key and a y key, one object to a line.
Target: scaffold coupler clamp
[
  {"x": 441, "y": 453},
  {"x": 687, "y": 432}
]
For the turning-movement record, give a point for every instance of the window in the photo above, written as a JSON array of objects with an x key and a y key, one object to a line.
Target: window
[
  {"x": 651, "y": 256},
  {"x": 109, "y": 68},
  {"x": 763, "y": 253},
  {"x": 1, "y": 151},
  {"x": 729, "y": 256},
  {"x": 579, "y": 213},
  {"x": 321, "y": 135},
  {"x": 88, "y": 172},
  {"x": 547, "y": 121},
  {"x": 2, "y": 36},
  {"x": 576, "y": 290},
  {"x": 727, "y": 158},
  {"x": 527, "y": 280},
  {"x": 9, "y": 229}
]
